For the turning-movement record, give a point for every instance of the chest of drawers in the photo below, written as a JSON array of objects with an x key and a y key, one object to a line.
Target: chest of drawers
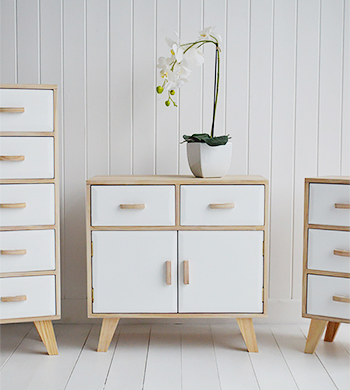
[
  {"x": 177, "y": 247},
  {"x": 29, "y": 208},
  {"x": 326, "y": 275}
]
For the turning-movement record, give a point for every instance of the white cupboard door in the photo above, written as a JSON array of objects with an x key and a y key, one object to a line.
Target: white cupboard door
[
  {"x": 221, "y": 271},
  {"x": 130, "y": 271}
]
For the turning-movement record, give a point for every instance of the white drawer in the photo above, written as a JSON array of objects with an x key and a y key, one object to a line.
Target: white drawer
[
  {"x": 321, "y": 292},
  {"x": 241, "y": 205},
  {"x": 329, "y": 250},
  {"x": 35, "y": 202},
  {"x": 26, "y": 158},
  {"x": 27, "y": 250},
  {"x": 38, "y": 292},
  {"x": 322, "y": 204},
  {"x": 38, "y": 110},
  {"x": 133, "y": 205}
]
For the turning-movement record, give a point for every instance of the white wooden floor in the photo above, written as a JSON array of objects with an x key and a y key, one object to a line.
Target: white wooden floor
[{"x": 173, "y": 357}]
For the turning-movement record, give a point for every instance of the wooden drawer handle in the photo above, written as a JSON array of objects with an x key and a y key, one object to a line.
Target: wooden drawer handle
[
  {"x": 133, "y": 206},
  {"x": 342, "y": 205},
  {"x": 12, "y": 109},
  {"x": 341, "y": 252},
  {"x": 11, "y": 158},
  {"x": 222, "y": 206},
  {"x": 168, "y": 273},
  {"x": 12, "y": 205},
  {"x": 186, "y": 272},
  {"x": 13, "y": 251},
  {"x": 339, "y": 298},
  {"x": 17, "y": 298}
]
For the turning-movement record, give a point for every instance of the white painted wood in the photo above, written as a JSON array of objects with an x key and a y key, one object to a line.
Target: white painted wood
[
  {"x": 40, "y": 292},
  {"x": 322, "y": 244},
  {"x": 128, "y": 277},
  {"x": 322, "y": 200},
  {"x": 39, "y": 200},
  {"x": 159, "y": 204},
  {"x": 8, "y": 68},
  {"x": 248, "y": 205},
  {"x": 320, "y": 292},
  {"x": 231, "y": 263},
  {"x": 38, "y": 155},
  {"x": 38, "y": 110},
  {"x": 40, "y": 247}
]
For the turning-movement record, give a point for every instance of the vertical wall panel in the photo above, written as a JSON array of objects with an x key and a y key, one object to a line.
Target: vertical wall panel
[
  {"x": 28, "y": 42},
  {"x": 121, "y": 55},
  {"x": 144, "y": 84},
  {"x": 345, "y": 163},
  {"x": 8, "y": 61},
  {"x": 282, "y": 156}
]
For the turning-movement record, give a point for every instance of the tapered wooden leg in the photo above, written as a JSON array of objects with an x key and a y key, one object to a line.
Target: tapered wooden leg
[
  {"x": 47, "y": 335},
  {"x": 108, "y": 328},
  {"x": 247, "y": 329},
  {"x": 331, "y": 331},
  {"x": 315, "y": 332}
]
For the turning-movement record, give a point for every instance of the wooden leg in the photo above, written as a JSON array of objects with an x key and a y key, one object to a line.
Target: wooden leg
[
  {"x": 315, "y": 332},
  {"x": 331, "y": 331},
  {"x": 247, "y": 329},
  {"x": 108, "y": 328},
  {"x": 47, "y": 335}
]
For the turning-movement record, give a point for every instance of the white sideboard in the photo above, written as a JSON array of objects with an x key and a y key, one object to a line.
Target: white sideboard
[
  {"x": 177, "y": 247},
  {"x": 326, "y": 274},
  {"x": 29, "y": 208}
]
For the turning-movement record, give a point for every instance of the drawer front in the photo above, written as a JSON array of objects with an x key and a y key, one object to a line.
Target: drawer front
[
  {"x": 30, "y": 250},
  {"x": 326, "y": 202},
  {"x": 241, "y": 205},
  {"x": 36, "y": 297},
  {"x": 27, "y": 204},
  {"x": 321, "y": 292},
  {"x": 329, "y": 250},
  {"x": 133, "y": 205},
  {"x": 38, "y": 110},
  {"x": 26, "y": 158}
]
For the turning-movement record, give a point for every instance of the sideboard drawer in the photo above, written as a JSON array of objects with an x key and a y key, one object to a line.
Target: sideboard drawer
[
  {"x": 27, "y": 250},
  {"x": 27, "y": 158},
  {"x": 240, "y": 205},
  {"x": 133, "y": 205},
  {"x": 324, "y": 293},
  {"x": 27, "y": 296},
  {"x": 35, "y": 110},
  {"x": 329, "y": 250},
  {"x": 27, "y": 204},
  {"x": 329, "y": 204}
]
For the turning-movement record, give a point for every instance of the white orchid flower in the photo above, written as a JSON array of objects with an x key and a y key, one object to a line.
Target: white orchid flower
[
  {"x": 210, "y": 33},
  {"x": 194, "y": 57}
]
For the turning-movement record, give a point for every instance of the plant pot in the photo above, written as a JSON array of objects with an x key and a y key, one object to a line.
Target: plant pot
[{"x": 209, "y": 161}]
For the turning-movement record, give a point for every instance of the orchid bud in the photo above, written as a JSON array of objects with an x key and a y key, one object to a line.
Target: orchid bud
[
  {"x": 172, "y": 92},
  {"x": 167, "y": 103},
  {"x": 159, "y": 89}
]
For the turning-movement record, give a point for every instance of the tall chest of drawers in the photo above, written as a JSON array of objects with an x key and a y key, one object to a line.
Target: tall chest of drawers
[
  {"x": 177, "y": 247},
  {"x": 29, "y": 208},
  {"x": 326, "y": 275}
]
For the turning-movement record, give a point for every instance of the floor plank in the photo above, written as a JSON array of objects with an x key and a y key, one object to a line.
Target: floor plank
[{"x": 343, "y": 336}]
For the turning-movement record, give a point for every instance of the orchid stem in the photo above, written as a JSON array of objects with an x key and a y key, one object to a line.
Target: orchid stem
[{"x": 216, "y": 87}]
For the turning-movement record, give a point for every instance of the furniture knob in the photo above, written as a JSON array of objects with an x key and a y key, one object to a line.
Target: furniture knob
[
  {"x": 186, "y": 272},
  {"x": 222, "y": 206},
  {"x": 342, "y": 205},
  {"x": 168, "y": 273},
  {"x": 13, "y": 251},
  {"x": 12, "y": 205},
  {"x": 339, "y": 298},
  {"x": 341, "y": 252},
  {"x": 133, "y": 206},
  {"x": 16, "y": 298},
  {"x": 12, "y": 109},
  {"x": 11, "y": 158}
]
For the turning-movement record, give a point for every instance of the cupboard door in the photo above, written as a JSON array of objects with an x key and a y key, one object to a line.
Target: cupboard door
[
  {"x": 130, "y": 273},
  {"x": 221, "y": 271}
]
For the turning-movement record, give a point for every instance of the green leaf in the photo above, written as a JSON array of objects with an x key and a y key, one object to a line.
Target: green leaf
[{"x": 205, "y": 138}]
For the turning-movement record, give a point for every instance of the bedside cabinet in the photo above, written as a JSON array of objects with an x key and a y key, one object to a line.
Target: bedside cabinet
[
  {"x": 326, "y": 283},
  {"x": 177, "y": 247},
  {"x": 29, "y": 209}
]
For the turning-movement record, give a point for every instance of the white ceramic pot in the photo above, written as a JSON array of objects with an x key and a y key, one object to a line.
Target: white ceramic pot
[{"x": 209, "y": 161}]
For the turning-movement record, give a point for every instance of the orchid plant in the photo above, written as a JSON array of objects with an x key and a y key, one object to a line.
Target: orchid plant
[{"x": 176, "y": 69}]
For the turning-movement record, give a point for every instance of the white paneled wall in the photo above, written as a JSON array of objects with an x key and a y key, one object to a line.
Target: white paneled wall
[{"x": 284, "y": 99}]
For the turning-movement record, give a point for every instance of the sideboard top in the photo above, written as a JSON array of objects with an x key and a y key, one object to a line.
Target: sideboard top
[{"x": 329, "y": 180}]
